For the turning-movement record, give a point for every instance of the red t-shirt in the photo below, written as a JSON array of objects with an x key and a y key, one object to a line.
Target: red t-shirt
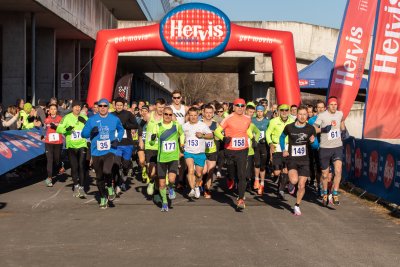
[
  {"x": 52, "y": 137},
  {"x": 236, "y": 126}
]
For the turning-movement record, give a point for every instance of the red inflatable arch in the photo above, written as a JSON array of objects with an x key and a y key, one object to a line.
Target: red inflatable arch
[{"x": 195, "y": 31}]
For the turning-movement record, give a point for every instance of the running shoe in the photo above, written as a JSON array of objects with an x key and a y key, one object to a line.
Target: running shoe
[
  {"x": 260, "y": 190},
  {"x": 207, "y": 194},
  {"x": 197, "y": 192},
  {"x": 325, "y": 201},
  {"x": 111, "y": 193},
  {"x": 281, "y": 195},
  {"x": 81, "y": 192},
  {"x": 48, "y": 182},
  {"x": 118, "y": 190},
  {"x": 218, "y": 174},
  {"x": 103, "y": 203},
  {"x": 230, "y": 183},
  {"x": 164, "y": 207},
  {"x": 150, "y": 188},
  {"x": 123, "y": 187},
  {"x": 171, "y": 193},
  {"x": 191, "y": 193},
  {"x": 330, "y": 199},
  {"x": 256, "y": 184},
  {"x": 296, "y": 210},
  {"x": 76, "y": 191},
  {"x": 240, "y": 204},
  {"x": 291, "y": 188},
  {"x": 336, "y": 201}
]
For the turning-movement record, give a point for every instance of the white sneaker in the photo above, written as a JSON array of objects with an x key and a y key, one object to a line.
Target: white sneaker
[
  {"x": 197, "y": 192},
  {"x": 297, "y": 211},
  {"x": 118, "y": 190},
  {"x": 191, "y": 193},
  {"x": 218, "y": 174}
]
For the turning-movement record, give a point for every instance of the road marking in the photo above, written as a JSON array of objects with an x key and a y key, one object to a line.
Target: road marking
[
  {"x": 44, "y": 200},
  {"x": 93, "y": 199}
]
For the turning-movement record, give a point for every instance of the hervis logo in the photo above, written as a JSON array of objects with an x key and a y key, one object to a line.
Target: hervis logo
[{"x": 195, "y": 31}]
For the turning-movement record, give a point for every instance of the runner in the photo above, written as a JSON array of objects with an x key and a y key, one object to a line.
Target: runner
[
  {"x": 53, "y": 144},
  {"x": 330, "y": 124},
  {"x": 125, "y": 148},
  {"x": 261, "y": 152},
  {"x": 71, "y": 126},
  {"x": 144, "y": 113},
  {"x": 211, "y": 151},
  {"x": 300, "y": 134},
  {"x": 101, "y": 128},
  {"x": 170, "y": 138},
  {"x": 273, "y": 133},
  {"x": 235, "y": 138},
  {"x": 195, "y": 134},
  {"x": 151, "y": 149}
]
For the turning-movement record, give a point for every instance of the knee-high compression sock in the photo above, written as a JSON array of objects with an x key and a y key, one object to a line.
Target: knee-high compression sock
[{"x": 163, "y": 194}]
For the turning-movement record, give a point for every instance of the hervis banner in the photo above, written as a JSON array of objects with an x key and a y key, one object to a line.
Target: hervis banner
[{"x": 195, "y": 31}]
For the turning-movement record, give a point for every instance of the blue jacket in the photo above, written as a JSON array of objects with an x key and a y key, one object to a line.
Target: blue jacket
[{"x": 110, "y": 128}]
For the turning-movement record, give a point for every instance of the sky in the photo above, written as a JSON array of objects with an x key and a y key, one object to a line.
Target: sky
[{"x": 328, "y": 13}]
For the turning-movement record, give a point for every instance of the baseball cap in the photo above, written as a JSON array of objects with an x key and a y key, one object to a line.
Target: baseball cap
[
  {"x": 239, "y": 101},
  {"x": 260, "y": 107},
  {"x": 251, "y": 104},
  {"x": 284, "y": 106},
  {"x": 103, "y": 101}
]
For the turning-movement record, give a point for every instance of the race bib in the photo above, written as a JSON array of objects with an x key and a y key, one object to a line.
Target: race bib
[
  {"x": 238, "y": 142},
  {"x": 193, "y": 142},
  {"x": 103, "y": 145},
  {"x": 334, "y": 134},
  {"x": 54, "y": 137},
  {"x": 169, "y": 146},
  {"x": 262, "y": 134},
  {"x": 298, "y": 151},
  {"x": 75, "y": 135},
  {"x": 209, "y": 143}
]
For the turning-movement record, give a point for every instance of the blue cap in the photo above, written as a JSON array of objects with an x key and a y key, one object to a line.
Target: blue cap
[
  {"x": 260, "y": 108},
  {"x": 103, "y": 101}
]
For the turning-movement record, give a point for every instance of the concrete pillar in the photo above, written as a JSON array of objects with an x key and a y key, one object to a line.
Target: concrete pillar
[
  {"x": 246, "y": 81},
  {"x": 45, "y": 63},
  {"x": 86, "y": 55},
  {"x": 66, "y": 69},
  {"x": 14, "y": 57}
]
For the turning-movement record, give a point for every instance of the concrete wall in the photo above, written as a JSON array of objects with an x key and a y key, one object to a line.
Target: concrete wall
[
  {"x": 65, "y": 64},
  {"x": 45, "y": 63}
]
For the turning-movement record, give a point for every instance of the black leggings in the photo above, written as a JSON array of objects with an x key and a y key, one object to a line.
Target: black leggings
[
  {"x": 53, "y": 154},
  {"x": 236, "y": 162},
  {"x": 77, "y": 159},
  {"x": 103, "y": 166}
]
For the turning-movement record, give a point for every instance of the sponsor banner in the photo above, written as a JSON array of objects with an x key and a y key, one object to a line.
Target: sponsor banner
[
  {"x": 382, "y": 116},
  {"x": 195, "y": 31},
  {"x": 374, "y": 166},
  {"x": 18, "y": 147},
  {"x": 123, "y": 88},
  {"x": 351, "y": 52}
]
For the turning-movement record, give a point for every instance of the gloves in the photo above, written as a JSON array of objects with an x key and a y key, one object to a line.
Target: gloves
[
  {"x": 53, "y": 126},
  {"x": 31, "y": 119},
  {"x": 227, "y": 140},
  {"x": 326, "y": 129},
  {"x": 69, "y": 128},
  {"x": 94, "y": 132},
  {"x": 114, "y": 143},
  {"x": 254, "y": 143},
  {"x": 153, "y": 137},
  {"x": 81, "y": 119},
  {"x": 262, "y": 141}
]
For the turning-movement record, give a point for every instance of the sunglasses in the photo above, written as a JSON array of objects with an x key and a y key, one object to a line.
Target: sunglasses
[
  {"x": 103, "y": 106},
  {"x": 176, "y": 97},
  {"x": 220, "y": 111},
  {"x": 239, "y": 105},
  {"x": 168, "y": 114},
  {"x": 284, "y": 110}
]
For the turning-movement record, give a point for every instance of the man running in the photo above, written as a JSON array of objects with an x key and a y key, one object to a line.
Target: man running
[
  {"x": 330, "y": 123},
  {"x": 101, "y": 128},
  {"x": 273, "y": 133},
  {"x": 195, "y": 134},
  {"x": 300, "y": 134},
  {"x": 170, "y": 139},
  {"x": 71, "y": 126},
  {"x": 235, "y": 127}
]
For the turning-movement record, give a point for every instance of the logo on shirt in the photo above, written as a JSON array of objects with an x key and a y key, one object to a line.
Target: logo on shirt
[{"x": 195, "y": 31}]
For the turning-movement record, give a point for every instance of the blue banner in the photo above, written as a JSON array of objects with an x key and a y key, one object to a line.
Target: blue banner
[
  {"x": 374, "y": 166},
  {"x": 18, "y": 147}
]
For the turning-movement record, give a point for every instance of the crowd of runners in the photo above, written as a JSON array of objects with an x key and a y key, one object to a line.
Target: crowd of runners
[{"x": 180, "y": 147}]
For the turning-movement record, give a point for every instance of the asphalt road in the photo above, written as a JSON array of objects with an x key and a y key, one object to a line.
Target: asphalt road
[{"x": 42, "y": 226}]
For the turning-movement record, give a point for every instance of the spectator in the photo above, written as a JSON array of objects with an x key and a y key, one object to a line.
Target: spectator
[{"x": 10, "y": 120}]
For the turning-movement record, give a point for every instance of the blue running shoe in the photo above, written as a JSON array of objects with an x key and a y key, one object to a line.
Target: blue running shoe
[
  {"x": 164, "y": 207},
  {"x": 171, "y": 193}
]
